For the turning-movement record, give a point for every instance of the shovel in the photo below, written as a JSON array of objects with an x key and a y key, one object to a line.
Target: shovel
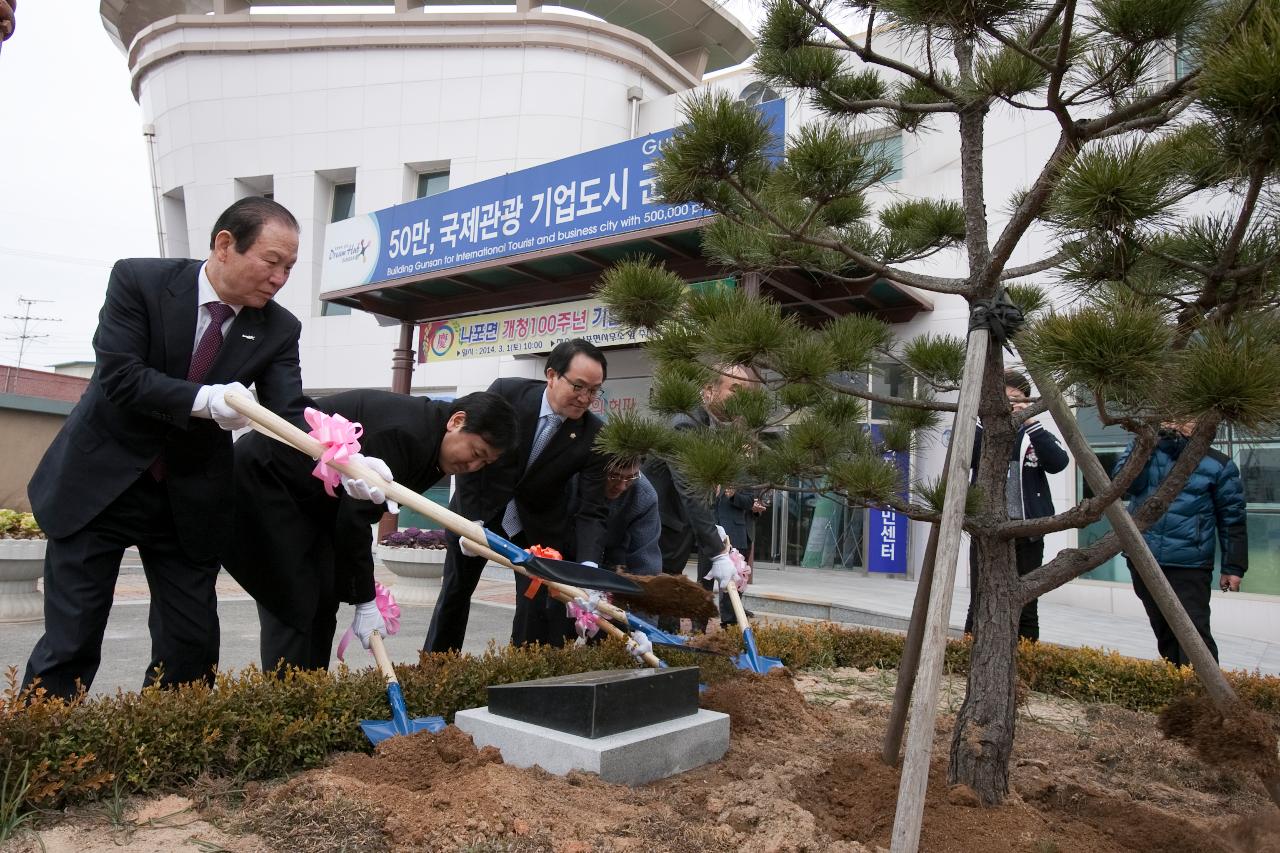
[
  {"x": 400, "y": 722},
  {"x": 750, "y": 659},
  {"x": 560, "y": 571}
]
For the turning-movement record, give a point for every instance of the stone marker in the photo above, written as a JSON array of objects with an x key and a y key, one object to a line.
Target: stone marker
[
  {"x": 641, "y": 755},
  {"x": 596, "y": 704},
  {"x": 629, "y": 726}
]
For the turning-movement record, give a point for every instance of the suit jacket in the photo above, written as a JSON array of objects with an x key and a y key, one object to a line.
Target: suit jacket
[
  {"x": 138, "y": 405},
  {"x": 732, "y": 514},
  {"x": 688, "y": 518},
  {"x": 542, "y": 492},
  {"x": 292, "y": 541}
]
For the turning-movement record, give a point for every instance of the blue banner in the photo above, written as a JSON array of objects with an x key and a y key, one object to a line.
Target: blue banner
[
  {"x": 585, "y": 197},
  {"x": 887, "y": 529}
]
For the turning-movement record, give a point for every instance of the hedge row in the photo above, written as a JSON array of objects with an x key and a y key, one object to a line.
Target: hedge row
[{"x": 255, "y": 726}]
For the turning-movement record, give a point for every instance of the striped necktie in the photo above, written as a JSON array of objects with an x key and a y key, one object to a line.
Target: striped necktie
[{"x": 547, "y": 426}]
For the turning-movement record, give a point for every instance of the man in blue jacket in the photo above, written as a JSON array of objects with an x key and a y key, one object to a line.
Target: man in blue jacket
[{"x": 1208, "y": 512}]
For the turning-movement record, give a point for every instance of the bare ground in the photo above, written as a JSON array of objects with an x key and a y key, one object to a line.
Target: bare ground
[{"x": 802, "y": 774}]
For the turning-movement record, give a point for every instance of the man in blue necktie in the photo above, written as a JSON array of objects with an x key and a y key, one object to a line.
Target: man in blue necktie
[
  {"x": 525, "y": 495},
  {"x": 145, "y": 457}
]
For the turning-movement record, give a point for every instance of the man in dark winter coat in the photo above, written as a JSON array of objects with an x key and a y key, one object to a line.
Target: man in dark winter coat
[
  {"x": 1209, "y": 512},
  {"x": 1036, "y": 455},
  {"x": 300, "y": 552}
]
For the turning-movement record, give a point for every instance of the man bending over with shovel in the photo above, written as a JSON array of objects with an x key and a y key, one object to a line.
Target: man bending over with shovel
[{"x": 300, "y": 552}]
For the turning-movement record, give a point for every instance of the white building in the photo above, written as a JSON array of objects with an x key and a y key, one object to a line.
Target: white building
[{"x": 339, "y": 115}]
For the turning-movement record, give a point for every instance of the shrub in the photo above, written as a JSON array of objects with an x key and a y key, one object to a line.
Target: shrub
[
  {"x": 19, "y": 525},
  {"x": 255, "y": 726}
]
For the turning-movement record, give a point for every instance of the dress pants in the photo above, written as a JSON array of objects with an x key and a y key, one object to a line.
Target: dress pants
[
  {"x": 541, "y": 619},
  {"x": 80, "y": 574},
  {"x": 1193, "y": 588},
  {"x": 727, "y": 616},
  {"x": 281, "y": 644},
  {"x": 453, "y": 605}
]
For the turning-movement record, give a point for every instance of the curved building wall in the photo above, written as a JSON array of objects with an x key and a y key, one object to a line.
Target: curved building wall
[{"x": 294, "y": 105}]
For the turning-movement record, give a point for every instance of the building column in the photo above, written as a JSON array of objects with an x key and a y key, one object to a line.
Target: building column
[{"x": 402, "y": 361}]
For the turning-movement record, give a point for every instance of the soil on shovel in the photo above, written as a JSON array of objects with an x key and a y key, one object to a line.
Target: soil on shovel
[
  {"x": 802, "y": 774},
  {"x": 668, "y": 595}
]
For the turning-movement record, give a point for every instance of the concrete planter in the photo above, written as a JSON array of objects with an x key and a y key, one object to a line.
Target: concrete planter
[
  {"x": 418, "y": 572},
  {"x": 21, "y": 565}
]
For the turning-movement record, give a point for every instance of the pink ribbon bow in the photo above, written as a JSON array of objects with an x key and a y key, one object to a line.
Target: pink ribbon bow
[
  {"x": 340, "y": 438},
  {"x": 584, "y": 617},
  {"x": 743, "y": 576},
  {"x": 390, "y": 615}
]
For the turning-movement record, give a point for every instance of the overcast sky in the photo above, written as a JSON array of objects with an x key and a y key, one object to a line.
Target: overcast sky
[
  {"x": 75, "y": 189},
  {"x": 75, "y": 192}
]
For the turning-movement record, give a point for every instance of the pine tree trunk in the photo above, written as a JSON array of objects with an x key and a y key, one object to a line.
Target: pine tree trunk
[{"x": 983, "y": 739}]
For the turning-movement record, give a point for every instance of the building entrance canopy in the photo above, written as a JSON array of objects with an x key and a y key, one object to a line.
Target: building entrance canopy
[{"x": 545, "y": 234}]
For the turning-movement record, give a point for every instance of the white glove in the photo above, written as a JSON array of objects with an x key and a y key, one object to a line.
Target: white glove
[
  {"x": 362, "y": 491},
  {"x": 723, "y": 572},
  {"x": 464, "y": 544},
  {"x": 724, "y": 537},
  {"x": 222, "y": 414},
  {"x": 367, "y": 620}
]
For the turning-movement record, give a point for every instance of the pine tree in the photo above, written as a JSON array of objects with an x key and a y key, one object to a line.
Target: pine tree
[{"x": 1158, "y": 202}]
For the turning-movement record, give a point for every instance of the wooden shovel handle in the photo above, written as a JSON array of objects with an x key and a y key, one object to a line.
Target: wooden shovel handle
[
  {"x": 380, "y": 655},
  {"x": 274, "y": 425}
]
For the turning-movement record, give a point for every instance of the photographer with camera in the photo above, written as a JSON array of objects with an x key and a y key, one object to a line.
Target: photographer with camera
[{"x": 1208, "y": 512}]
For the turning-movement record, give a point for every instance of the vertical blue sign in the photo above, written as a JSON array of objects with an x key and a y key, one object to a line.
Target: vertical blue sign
[{"x": 887, "y": 529}]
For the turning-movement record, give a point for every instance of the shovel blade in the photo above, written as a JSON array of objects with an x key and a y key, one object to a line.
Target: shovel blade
[
  {"x": 576, "y": 574},
  {"x": 379, "y": 730},
  {"x": 752, "y": 659}
]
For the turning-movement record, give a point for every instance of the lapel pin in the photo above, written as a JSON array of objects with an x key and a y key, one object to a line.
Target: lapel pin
[
  {"x": 573, "y": 435},
  {"x": 247, "y": 337}
]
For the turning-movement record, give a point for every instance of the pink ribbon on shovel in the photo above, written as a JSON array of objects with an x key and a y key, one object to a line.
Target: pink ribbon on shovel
[
  {"x": 340, "y": 438},
  {"x": 390, "y": 615},
  {"x": 583, "y": 613}
]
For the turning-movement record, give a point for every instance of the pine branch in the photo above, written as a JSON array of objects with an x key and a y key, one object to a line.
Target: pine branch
[
  {"x": 871, "y": 396},
  {"x": 1034, "y": 267},
  {"x": 888, "y": 104},
  {"x": 1054, "y": 96},
  {"x": 924, "y": 282},
  {"x": 868, "y": 56}
]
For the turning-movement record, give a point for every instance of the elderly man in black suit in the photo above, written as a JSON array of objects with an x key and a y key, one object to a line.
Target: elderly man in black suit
[
  {"x": 300, "y": 552},
  {"x": 525, "y": 495},
  {"x": 145, "y": 457}
]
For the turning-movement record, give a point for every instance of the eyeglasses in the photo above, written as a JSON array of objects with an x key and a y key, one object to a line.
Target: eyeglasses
[
  {"x": 580, "y": 390},
  {"x": 618, "y": 478}
]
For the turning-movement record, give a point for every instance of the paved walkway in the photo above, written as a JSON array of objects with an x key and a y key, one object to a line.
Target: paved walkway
[
  {"x": 846, "y": 597},
  {"x": 885, "y": 602}
]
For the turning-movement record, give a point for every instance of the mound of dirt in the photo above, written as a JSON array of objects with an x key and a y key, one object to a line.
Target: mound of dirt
[
  {"x": 763, "y": 705},
  {"x": 797, "y": 777},
  {"x": 1247, "y": 741}
]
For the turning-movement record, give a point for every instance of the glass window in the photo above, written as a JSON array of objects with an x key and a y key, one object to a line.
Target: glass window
[
  {"x": 344, "y": 202},
  {"x": 1260, "y": 471},
  {"x": 890, "y": 148},
  {"x": 1114, "y": 569},
  {"x": 888, "y": 380},
  {"x": 343, "y": 207},
  {"x": 430, "y": 183},
  {"x": 757, "y": 93}
]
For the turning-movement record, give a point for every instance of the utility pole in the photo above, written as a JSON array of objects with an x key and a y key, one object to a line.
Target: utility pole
[{"x": 23, "y": 337}]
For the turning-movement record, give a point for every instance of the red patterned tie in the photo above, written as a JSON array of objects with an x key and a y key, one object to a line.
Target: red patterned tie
[
  {"x": 210, "y": 342},
  {"x": 201, "y": 361}
]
